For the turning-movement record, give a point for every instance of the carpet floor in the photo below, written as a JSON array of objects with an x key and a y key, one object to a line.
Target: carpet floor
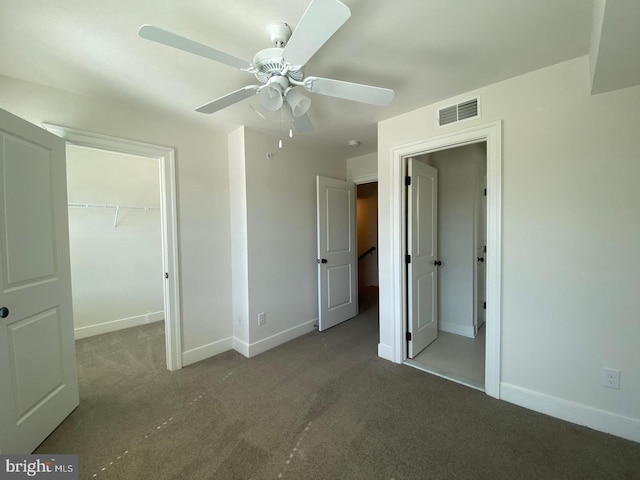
[{"x": 323, "y": 406}]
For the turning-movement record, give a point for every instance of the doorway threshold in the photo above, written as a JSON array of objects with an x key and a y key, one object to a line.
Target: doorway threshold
[{"x": 446, "y": 375}]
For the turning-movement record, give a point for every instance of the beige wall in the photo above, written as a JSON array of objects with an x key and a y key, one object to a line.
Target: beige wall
[
  {"x": 570, "y": 236},
  {"x": 202, "y": 189}
]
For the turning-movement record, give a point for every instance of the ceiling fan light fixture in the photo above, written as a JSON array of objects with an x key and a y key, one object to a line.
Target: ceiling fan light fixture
[
  {"x": 271, "y": 97},
  {"x": 298, "y": 102},
  {"x": 280, "y": 68}
]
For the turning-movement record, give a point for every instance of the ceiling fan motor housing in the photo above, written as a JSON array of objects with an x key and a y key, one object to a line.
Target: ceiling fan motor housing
[{"x": 269, "y": 62}]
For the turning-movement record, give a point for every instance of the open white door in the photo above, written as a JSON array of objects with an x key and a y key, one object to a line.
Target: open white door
[
  {"x": 337, "y": 254},
  {"x": 422, "y": 256},
  {"x": 38, "y": 378},
  {"x": 481, "y": 253}
]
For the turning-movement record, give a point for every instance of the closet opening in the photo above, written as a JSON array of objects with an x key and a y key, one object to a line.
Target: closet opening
[
  {"x": 446, "y": 242},
  {"x": 115, "y": 237},
  {"x": 127, "y": 220}
]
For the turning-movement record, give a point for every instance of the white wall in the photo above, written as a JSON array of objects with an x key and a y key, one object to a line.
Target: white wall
[
  {"x": 239, "y": 239},
  {"x": 202, "y": 188},
  {"x": 363, "y": 169},
  {"x": 116, "y": 273},
  {"x": 280, "y": 199},
  {"x": 570, "y": 236}
]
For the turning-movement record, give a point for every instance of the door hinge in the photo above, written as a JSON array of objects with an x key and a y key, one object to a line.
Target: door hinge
[
  {"x": 484, "y": 305},
  {"x": 408, "y": 336},
  {"x": 485, "y": 192},
  {"x": 166, "y": 274},
  {"x": 407, "y": 180},
  {"x": 408, "y": 259}
]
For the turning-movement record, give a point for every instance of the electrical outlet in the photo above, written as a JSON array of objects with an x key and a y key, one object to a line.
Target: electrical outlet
[
  {"x": 262, "y": 318},
  {"x": 611, "y": 378}
]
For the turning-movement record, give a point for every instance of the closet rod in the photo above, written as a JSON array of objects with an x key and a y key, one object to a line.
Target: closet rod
[{"x": 105, "y": 205}]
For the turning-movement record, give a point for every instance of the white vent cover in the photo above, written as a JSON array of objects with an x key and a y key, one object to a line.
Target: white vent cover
[{"x": 461, "y": 111}]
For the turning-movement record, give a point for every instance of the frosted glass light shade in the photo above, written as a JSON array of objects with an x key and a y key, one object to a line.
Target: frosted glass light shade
[
  {"x": 298, "y": 102},
  {"x": 271, "y": 97}
]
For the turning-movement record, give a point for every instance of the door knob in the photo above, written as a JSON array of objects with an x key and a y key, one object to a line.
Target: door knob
[
  {"x": 324, "y": 260},
  {"x": 437, "y": 263},
  {"x": 481, "y": 259},
  {"x": 4, "y": 312}
]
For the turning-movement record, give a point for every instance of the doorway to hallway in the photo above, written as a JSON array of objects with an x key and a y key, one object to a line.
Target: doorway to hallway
[{"x": 367, "y": 232}]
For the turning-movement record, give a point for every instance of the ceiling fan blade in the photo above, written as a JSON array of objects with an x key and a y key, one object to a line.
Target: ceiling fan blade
[
  {"x": 318, "y": 23},
  {"x": 302, "y": 124},
  {"x": 229, "y": 99},
  {"x": 349, "y": 91},
  {"x": 170, "y": 39},
  {"x": 260, "y": 111}
]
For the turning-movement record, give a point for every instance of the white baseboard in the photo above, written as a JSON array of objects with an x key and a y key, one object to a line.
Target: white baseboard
[
  {"x": 197, "y": 354},
  {"x": 386, "y": 352},
  {"x": 248, "y": 350},
  {"x": 256, "y": 348},
  {"x": 241, "y": 346},
  {"x": 457, "y": 329},
  {"x": 601, "y": 420},
  {"x": 115, "y": 325}
]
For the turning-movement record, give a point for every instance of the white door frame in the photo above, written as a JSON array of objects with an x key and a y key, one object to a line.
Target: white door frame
[
  {"x": 166, "y": 158},
  {"x": 491, "y": 133}
]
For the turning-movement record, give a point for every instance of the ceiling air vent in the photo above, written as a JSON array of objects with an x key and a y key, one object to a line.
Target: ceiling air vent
[{"x": 461, "y": 111}]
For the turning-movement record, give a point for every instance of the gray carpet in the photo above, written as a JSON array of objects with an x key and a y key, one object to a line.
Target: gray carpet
[{"x": 323, "y": 406}]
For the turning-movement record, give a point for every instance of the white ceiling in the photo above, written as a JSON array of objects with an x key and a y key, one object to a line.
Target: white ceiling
[
  {"x": 426, "y": 50},
  {"x": 614, "y": 55}
]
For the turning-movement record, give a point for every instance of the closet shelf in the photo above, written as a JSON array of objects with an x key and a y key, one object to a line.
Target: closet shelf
[{"x": 107, "y": 205}]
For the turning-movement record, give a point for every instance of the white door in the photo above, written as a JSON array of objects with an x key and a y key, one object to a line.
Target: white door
[
  {"x": 422, "y": 260},
  {"x": 337, "y": 254},
  {"x": 38, "y": 379}
]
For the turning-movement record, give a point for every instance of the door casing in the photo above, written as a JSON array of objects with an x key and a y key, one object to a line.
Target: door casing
[
  {"x": 170, "y": 265},
  {"x": 491, "y": 133}
]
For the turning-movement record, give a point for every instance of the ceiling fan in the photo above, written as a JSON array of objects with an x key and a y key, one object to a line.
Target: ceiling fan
[{"x": 280, "y": 69}]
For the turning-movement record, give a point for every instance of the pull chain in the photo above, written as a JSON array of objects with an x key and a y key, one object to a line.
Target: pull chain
[
  {"x": 291, "y": 125},
  {"x": 280, "y": 141}
]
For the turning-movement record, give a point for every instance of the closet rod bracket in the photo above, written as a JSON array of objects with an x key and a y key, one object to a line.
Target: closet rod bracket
[{"x": 115, "y": 220}]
